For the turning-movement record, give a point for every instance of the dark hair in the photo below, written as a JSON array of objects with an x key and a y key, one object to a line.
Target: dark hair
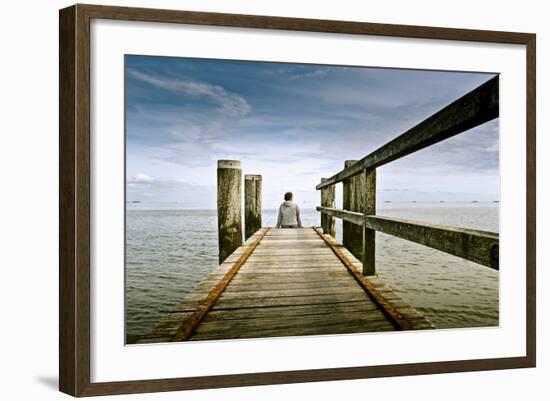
[{"x": 288, "y": 196}]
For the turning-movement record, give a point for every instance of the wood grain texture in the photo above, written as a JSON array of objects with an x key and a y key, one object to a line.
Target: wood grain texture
[
  {"x": 67, "y": 187},
  {"x": 229, "y": 199},
  {"x": 284, "y": 289},
  {"x": 474, "y": 245},
  {"x": 328, "y": 199},
  {"x": 74, "y": 211},
  {"x": 252, "y": 204},
  {"x": 369, "y": 235},
  {"x": 189, "y": 325},
  {"x": 353, "y": 200},
  {"x": 74, "y": 199}
]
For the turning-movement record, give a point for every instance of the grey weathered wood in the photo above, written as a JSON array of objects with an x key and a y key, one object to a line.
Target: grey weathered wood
[
  {"x": 475, "y": 108},
  {"x": 230, "y": 327},
  {"x": 289, "y": 311},
  {"x": 266, "y": 302},
  {"x": 230, "y": 235},
  {"x": 328, "y": 199},
  {"x": 279, "y": 294},
  {"x": 369, "y": 235},
  {"x": 353, "y": 200},
  {"x": 351, "y": 217},
  {"x": 312, "y": 329},
  {"x": 474, "y": 245},
  {"x": 238, "y": 293},
  {"x": 252, "y": 204}
]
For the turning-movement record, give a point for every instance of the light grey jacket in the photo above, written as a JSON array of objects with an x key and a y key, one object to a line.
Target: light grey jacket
[{"x": 289, "y": 215}]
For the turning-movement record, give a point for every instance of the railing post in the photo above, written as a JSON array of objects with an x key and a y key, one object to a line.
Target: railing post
[
  {"x": 369, "y": 236},
  {"x": 252, "y": 204},
  {"x": 353, "y": 200},
  {"x": 230, "y": 233},
  {"x": 328, "y": 223}
]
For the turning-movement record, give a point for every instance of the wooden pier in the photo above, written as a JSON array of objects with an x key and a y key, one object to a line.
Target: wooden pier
[
  {"x": 289, "y": 282},
  {"x": 292, "y": 282}
]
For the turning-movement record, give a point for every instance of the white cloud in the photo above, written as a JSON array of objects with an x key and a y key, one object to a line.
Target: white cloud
[
  {"x": 141, "y": 178},
  {"x": 231, "y": 104},
  {"x": 319, "y": 73}
]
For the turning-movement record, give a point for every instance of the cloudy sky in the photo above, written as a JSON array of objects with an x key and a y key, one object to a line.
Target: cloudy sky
[{"x": 294, "y": 124}]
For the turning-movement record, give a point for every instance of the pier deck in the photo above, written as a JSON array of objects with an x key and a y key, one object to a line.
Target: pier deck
[{"x": 286, "y": 282}]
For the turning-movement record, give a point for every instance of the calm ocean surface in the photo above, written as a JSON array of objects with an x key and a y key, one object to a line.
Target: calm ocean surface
[{"x": 169, "y": 251}]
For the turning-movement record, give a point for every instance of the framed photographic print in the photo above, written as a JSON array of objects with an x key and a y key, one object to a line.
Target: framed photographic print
[{"x": 250, "y": 200}]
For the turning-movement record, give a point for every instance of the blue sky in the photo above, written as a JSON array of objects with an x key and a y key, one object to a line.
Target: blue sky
[{"x": 294, "y": 124}]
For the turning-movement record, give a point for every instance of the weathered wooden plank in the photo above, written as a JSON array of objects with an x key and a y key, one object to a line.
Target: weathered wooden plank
[
  {"x": 243, "y": 325},
  {"x": 303, "y": 257},
  {"x": 289, "y": 258},
  {"x": 291, "y": 310},
  {"x": 287, "y": 301},
  {"x": 475, "y": 108},
  {"x": 281, "y": 248},
  {"x": 282, "y": 295},
  {"x": 474, "y": 245},
  {"x": 311, "y": 272},
  {"x": 288, "y": 264},
  {"x": 154, "y": 340},
  {"x": 290, "y": 232},
  {"x": 317, "y": 253},
  {"x": 299, "y": 292},
  {"x": 294, "y": 262},
  {"x": 261, "y": 285},
  {"x": 306, "y": 270},
  {"x": 238, "y": 292},
  {"x": 291, "y": 332},
  {"x": 346, "y": 215},
  {"x": 290, "y": 237},
  {"x": 329, "y": 275},
  {"x": 277, "y": 241},
  {"x": 293, "y": 328},
  {"x": 187, "y": 329}
]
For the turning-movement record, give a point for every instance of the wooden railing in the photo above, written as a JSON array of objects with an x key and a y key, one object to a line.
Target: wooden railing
[{"x": 359, "y": 179}]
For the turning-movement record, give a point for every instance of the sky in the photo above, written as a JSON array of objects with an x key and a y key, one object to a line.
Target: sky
[{"x": 293, "y": 124}]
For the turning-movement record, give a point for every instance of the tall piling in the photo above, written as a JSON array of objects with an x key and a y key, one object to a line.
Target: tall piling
[
  {"x": 328, "y": 223},
  {"x": 230, "y": 234},
  {"x": 252, "y": 204},
  {"x": 369, "y": 236},
  {"x": 353, "y": 200}
]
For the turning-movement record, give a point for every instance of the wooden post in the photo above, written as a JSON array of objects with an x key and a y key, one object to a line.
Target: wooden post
[
  {"x": 230, "y": 233},
  {"x": 369, "y": 236},
  {"x": 353, "y": 200},
  {"x": 252, "y": 204},
  {"x": 328, "y": 223}
]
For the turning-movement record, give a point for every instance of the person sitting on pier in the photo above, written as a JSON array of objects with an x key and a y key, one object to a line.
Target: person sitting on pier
[{"x": 289, "y": 214}]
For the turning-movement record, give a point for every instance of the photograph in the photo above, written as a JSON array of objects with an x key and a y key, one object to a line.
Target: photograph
[{"x": 270, "y": 199}]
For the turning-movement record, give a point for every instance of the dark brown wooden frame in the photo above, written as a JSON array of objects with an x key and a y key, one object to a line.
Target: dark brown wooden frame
[{"x": 74, "y": 199}]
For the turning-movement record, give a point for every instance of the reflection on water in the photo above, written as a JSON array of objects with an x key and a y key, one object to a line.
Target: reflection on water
[{"x": 169, "y": 251}]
